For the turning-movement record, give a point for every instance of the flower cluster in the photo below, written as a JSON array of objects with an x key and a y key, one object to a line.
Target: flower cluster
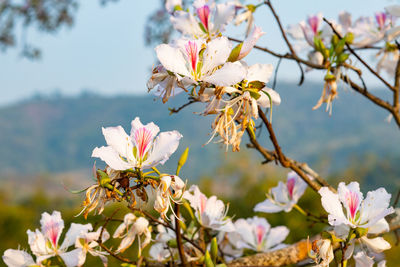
[
  {"x": 45, "y": 245},
  {"x": 205, "y": 64},
  {"x": 323, "y": 46}
]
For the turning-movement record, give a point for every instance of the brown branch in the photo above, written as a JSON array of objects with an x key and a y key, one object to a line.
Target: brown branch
[
  {"x": 291, "y": 254},
  {"x": 302, "y": 169},
  {"x": 176, "y": 110},
  {"x": 384, "y": 104},
  {"x": 179, "y": 237}
]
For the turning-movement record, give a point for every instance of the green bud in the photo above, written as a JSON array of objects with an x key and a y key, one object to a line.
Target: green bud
[
  {"x": 178, "y": 8},
  {"x": 342, "y": 58},
  {"x": 214, "y": 249},
  {"x": 182, "y": 160},
  {"x": 349, "y": 37},
  {"x": 326, "y": 53},
  {"x": 251, "y": 8},
  {"x": 340, "y": 46},
  {"x": 172, "y": 243},
  {"x": 207, "y": 260},
  {"x": 329, "y": 77},
  {"x": 189, "y": 209},
  {"x": 235, "y": 53},
  {"x": 104, "y": 179},
  {"x": 334, "y": 40}
]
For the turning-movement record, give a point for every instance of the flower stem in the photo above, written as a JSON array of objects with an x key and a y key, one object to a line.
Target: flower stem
[{"x": 299, "y": 209}]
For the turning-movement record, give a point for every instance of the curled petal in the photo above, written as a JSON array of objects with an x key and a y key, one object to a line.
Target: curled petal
[
  {"x": 111, "y": 157},
  {"x": 229, "y": 74}
]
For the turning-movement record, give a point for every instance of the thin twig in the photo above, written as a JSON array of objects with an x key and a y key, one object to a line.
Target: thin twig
[{"x": 179, "y": 236}]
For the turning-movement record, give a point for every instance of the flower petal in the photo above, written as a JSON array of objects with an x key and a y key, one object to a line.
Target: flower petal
[
  {"x": 362, "y": 260},
  {"x": 172, "y": 59},
  {"x": 76, "y": 230},
  {"x": 17, "y": 258},
  {"x": 164, "y": 145},
  {"x": 276, "y": 236},
  {"x": 186, "y": 24},
  {"x": 264, "y": 100},
  {"x": 52, "y": 226},
  {"x": 223, "y": 15},
  {"x": 111, "y": 157},
  {"x": 229, "y": 74},
  {"x": 377, "y": 244},
  {"x": 117, "y": 138},
  {"x": 216, "y": 54},
  {"x": 151, "y": 126},
  {"x": 268, "y": 206},
  {"x": 71, "y": 258},
  {"x": 375, "y": 207},
  {"x": 259, "y": 72},
  {"x": 330, "y": 202}
]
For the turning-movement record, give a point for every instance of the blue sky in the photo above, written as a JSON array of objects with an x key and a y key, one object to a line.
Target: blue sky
[{"x": 104, "y": 51}]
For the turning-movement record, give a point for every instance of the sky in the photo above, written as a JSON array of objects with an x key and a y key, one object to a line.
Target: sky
[{"x": 104, "y": 51}]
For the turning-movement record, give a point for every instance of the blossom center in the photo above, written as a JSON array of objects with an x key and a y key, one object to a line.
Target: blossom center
[
  {"x": 290, "y": 186},
  {"x": 352, "y": 203},
  {"x": 191, "y": 50},
  {"x": 314, "y": 23},
  {"x": 260, "y": 232},
  {"x": 51, "y": 230},
  {"x": 380, "y": 19},
  {"x": 204, "y": 13},
  {"x": 143, "y": 137},
  {"x": 203, "y": 202}
]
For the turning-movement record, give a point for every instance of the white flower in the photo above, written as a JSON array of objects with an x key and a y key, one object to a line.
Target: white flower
[
  {"x": 210, "y": 212},
  {"x": 185, "y": 59},
  {"x": 142, "y": 149},
  {"x": 256, "y": 234},
  {"x": 131, "y": 227},
  {"x": 321, "y": 252},
  {"x": 172, "y": 5},
  {"x": 394, "y": 32},
  {"x": 170, "y": 190},
  {"x": 44, "y": 244},
  {"x": 18, "y": 258},
  {"x": 160, "y": 251},
  {"x": 210, "y": 19},
  {"x": 284, "y": 196},
  {"x": 368, "y": 213},
  {"x": 87, "y": 242}
]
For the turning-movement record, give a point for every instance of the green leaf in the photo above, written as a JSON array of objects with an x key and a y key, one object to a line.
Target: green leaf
[
  {"x": 256, "y": 84},
  {"x": 235, "y": 53},
  {"x": 342, "y": 58}
]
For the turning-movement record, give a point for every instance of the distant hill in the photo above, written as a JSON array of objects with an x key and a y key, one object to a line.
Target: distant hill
[{"x": 57, "y": 134}]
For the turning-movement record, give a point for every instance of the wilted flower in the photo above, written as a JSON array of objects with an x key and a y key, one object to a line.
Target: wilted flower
[
  {"x": 166, "y": 85},
  {"x": 329, "y": 93},
  {"x": 170, "y": 190},
  {"x": 210, "y": 212},
  {"x": 131, "y": 227},
  {"x": 142, "y": 149},
  {"x": 368, "y": 214},
  {"x": 284, "y": 196},
  {"x": 99, "y": 194},
  {"x": 256, "y": 234},
  {"x": 45, "y": 243},
  {"x": 321, "y": 252}
]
